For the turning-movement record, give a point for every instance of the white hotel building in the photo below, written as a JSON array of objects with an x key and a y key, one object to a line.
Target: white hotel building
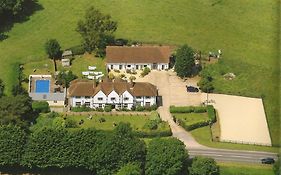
[{"x": 118, "y": 94}]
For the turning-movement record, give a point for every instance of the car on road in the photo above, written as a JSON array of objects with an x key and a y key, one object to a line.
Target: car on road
[
  {"x": 267, "y": 160},
  {"x": 191, "y": 89}
]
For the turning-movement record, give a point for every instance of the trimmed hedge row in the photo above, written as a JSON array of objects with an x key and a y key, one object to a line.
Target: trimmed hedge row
[
  {"x": 192, "y": 126},
  {"x": 209, "y": 109},
  {"x": 188, "y": 109},
  {"x": 212, "y": 113},
  {"x": 150, "y": 134}
]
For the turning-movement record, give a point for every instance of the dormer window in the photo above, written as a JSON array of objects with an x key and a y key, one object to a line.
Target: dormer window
[
  {"x": 126, "y": 98},
  {"x": 100, "y": 98},
  {"x": 112, "y": 98}
]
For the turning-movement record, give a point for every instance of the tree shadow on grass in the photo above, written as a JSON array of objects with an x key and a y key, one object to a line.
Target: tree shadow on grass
[{"x": 7, "y": 21}]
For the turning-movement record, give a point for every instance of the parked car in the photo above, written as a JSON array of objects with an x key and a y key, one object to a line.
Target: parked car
[
  {"x": 191, "y": 89},
  {"x": 267, "y": 160}
]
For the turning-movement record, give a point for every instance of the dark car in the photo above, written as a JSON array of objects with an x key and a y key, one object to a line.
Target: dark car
[
  {"x": 267, "y": 160},
  {"x": 192, "y": 89}
]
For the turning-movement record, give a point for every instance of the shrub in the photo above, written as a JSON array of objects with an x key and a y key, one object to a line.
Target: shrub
[
  {"x": 132, "y": 78},
  {"x": 70, "y": 123},
  {"x": 111, "y": 75},
  {"x": 145, "y": 71},
  {"x": 99, "y": 109},
  {"x": 77, "y": 50},
  {"x": 101, "y": 120},
  {"x": 140, "y": 108},
  {"x": 203, "y": 166},
  {"x": 151, "y": 125},
  {"x": 40, "y": 106},
  {"x": 107, "y": 108},
  {"x": 122, "y": 75},
  {"x": 53, "y": 114},
  {"x": 82, "y": 108},
  {"x": 128, "y": 71},
  {"x": 153, "y": 107},
  {"x": 211, "y": 113}
]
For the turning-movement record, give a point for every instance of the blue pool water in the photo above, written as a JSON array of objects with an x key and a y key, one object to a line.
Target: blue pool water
[{"x": 42, "y": 86}]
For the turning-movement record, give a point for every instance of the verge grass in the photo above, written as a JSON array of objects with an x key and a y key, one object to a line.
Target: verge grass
[
  {"x": 203, "y": 136},
  {"x": 245, "y": 169},
  {"x": 246, "y": 31}
]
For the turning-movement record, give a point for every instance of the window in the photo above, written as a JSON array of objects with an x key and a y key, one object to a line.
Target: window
[
  {"x": 144, "y": 65},
  {"x": 137, "y": 66},
  {"x": 120, "y": 66},
  {"x": 147, "y": 97},
  {"x": 138, "y": 97},
  {"x": 100, "y": 105},
  {"x": 78, "y": 103},
  {"x": 100, "y": 98},
  {"x": 87, "y": 97},
  {"x": 126, "y": 98},
  {"x": 118, "y": 106},
  {"x": 87, "y": 104},
  {"x": 147, "y": 104},
  {"x": 55, "y": 101},
  {"x": 111, "y": 66},
  {"x": 125, "y": 105},
  {"x": 78, "y": 97},
  {"x": 129, "y": 65},
  {"x": 112, "y": 98}
]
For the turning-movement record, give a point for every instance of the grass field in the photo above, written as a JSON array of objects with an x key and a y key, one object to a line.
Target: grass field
[
  {"x": 203, "y": 136},
  {"x": 245, "y": 169},
  {"x": 191, "y": 118},
  {"x": 246, "y": 31}
]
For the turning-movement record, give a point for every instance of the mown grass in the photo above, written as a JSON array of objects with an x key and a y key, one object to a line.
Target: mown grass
[
  {"x": 246, "y": 31},
  {"x": 245, "y": 169},
  {"x": 203, "y": 136},
  {"x": 192, "y": 118}
]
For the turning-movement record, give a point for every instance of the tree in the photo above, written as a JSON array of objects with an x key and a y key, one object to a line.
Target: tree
[
  {"x": 166, "y": 156},
  {"x": 203, "y": 166},
  {"x": 12, "y": 141},
  {"x": 16, "y": 110},
  {"x": 11, "y": 7},
  {"x": 52, "y": 48},
  {"x": 2, "y": 87},
  {"x": 206, "y": 84},
  {"x": 64, "y": 78},
  {"x": 129, "y": 169},
  {"x": 184, "y": 61},
  {"x": 40, "y": 106},
  {"x": 96, "y": 30}
]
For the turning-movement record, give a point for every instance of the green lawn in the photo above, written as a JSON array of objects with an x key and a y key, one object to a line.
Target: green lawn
[
  {"x": 246, "y": 31},
  {"x": 192, "y": 118},
  {"x": 245, "y": 169},
  {"x": 203, "y": 136},
  {"x": 137, "y": 122}
]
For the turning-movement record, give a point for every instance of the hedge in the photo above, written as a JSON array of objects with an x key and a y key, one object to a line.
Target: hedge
[
  {"x": 193, "y": 126},
  {"x": 211, "y": 113},
  {"x": 188, "y": 109},
  {"x": 150, "y": 134}
]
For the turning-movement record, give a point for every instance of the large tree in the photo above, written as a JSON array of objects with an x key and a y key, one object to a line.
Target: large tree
[
  {"x": 16, "y": 110},
  {"x": 64, "y": 78},
  {"x": 184, "y": 61},
  {"x": 11, "y": 7},
  {"x": 52, "y": 48},
  {"x": 166, "y": 156},
  {"x": 204, "y": 166},
  {"x": 96, "y": 30}
]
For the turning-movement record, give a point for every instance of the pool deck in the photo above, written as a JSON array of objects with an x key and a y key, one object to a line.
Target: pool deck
[{"x": 33, "y": 84}]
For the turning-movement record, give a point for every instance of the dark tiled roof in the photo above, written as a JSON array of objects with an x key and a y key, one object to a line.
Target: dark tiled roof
[{"x": 139, "y": 54}]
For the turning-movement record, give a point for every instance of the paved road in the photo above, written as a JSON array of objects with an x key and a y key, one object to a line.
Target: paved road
[{"x": 167, "y": 84}]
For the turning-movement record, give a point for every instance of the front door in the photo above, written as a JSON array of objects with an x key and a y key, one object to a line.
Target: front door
[{"x": 154, "y": 66}]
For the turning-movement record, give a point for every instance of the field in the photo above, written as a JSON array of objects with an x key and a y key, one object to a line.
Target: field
[
  {"x": 245, "y": 169},
  {"x": 191, "y": 118},
  {"x": 246, "y": 31},
  {"x": 203, "y": 136}
]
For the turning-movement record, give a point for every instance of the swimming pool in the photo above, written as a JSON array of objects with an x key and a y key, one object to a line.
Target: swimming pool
[{"x": 42, "y": 86}]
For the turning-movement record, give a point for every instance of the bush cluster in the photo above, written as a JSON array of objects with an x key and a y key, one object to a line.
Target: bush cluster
[
  {"x": 40, "y": 106},
  {"x": 101, "y": 152},
  {"x": 145, "y": 71},
  {"x": 188, "y": 109},
  {"x": 211, "y": 113},
  {"x": 108, "y": 108},
  {"x": 147, "y": 108},
  {"x": 82, "y": 108}
]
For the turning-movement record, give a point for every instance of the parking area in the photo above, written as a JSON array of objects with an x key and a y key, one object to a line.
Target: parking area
[{"x": 242, "y": 119}]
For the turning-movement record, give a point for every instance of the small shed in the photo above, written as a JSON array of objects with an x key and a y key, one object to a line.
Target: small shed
[
  {"x": 67, "y": 54},
  {"x": 65, "y": 62}
]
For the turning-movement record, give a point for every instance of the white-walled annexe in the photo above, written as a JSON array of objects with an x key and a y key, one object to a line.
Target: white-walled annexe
[{"x": 138, "y": 57}]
